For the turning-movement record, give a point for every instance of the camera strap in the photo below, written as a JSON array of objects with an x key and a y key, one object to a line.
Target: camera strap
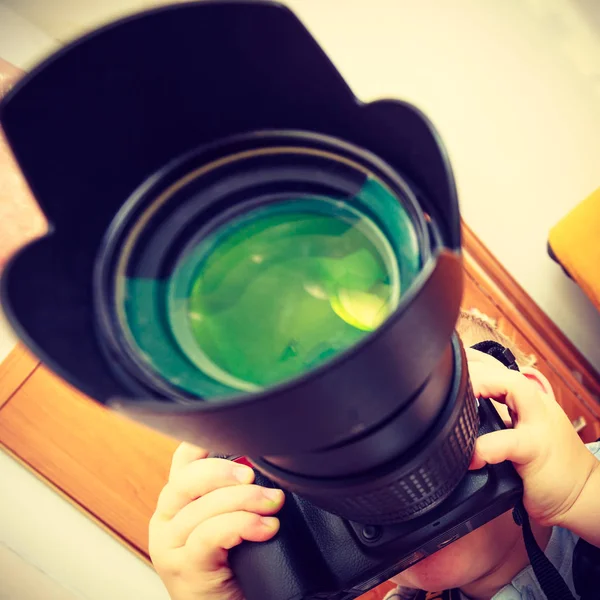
[
  {"x": 445, "y": 595},
  {"x": 421, "y": 595},
  {"x": 550, "y": 580},
  {"x": 499, "y": 352}
]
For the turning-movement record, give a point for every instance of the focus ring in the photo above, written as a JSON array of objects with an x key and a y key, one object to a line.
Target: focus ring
[
  {"x": 410, "y": 486},
  {"x": 422, "y": 488}
]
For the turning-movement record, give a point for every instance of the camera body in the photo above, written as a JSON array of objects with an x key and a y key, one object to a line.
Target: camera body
[{"x": 318, "y": 555}]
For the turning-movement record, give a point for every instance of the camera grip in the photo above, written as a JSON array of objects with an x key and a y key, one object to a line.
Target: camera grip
[{"x": 287, "y": 567}]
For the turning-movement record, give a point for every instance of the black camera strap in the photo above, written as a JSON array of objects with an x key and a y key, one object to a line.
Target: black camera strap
[
  {"x": 550, "y": 580},
  {"x": 421, "y": 595},
  {"x": 499, "y": 352}
]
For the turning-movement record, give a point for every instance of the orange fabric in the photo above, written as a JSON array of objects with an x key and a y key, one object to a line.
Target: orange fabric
[{"x": 575, "y": 240}]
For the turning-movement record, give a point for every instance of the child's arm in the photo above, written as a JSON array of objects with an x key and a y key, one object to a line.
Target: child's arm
[
  {"x": 583, "y": 518},
  {"x": 561, "y": 477}
]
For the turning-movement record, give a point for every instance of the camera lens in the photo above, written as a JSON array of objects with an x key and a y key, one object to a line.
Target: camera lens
[
  {"x": 248, "y": 257},
  {"x": 275, "y": 274},
  {"x": 253, "y": 269}
]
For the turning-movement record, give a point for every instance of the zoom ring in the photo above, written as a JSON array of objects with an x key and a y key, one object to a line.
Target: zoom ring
[{"x": 415, "y": 490}]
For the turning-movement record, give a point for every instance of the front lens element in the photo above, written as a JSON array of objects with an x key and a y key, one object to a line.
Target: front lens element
[{"x": 280, "y": 289}]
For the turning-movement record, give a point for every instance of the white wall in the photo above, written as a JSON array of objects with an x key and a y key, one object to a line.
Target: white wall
[
  {"x": 514, "y": 88},
  {"x": 21, "y": 42},
  {"x": 66, "y": 19}
]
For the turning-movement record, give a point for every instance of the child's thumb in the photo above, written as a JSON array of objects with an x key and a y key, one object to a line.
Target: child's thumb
[{"x": 498, "y": 446}]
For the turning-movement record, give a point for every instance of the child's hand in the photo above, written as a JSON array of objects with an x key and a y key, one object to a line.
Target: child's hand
[
  {"x": 207, "y": 507},
  {"x": 548, "y": 454}
]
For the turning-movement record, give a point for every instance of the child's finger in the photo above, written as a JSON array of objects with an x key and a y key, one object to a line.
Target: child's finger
[
  {"x": 185, "y": 454},
  {"x": 208, "y": 544},
  {"x": 249, "y": 498},
  {"x": 509, "y": 387},
  {"x": 197, "y": 479},
  {"x": 496, "y": 447}
]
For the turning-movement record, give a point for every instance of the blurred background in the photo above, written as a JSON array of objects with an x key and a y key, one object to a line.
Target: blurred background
[{"x": 513, "y": 87}]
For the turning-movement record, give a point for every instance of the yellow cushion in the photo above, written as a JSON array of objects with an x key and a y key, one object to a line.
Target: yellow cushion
[{"x": 575, "y": 240}]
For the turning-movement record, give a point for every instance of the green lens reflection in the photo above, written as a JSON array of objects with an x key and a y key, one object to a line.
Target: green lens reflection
[{"x": 282, "y": 288}]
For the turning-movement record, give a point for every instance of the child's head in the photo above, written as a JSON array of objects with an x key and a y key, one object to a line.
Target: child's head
[
  {"x": 481, "y": 553},
  {"x": 474, "y": 327}
]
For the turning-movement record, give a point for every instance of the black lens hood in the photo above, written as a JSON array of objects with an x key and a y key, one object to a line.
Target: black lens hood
[{"x": 103, "y": 115}]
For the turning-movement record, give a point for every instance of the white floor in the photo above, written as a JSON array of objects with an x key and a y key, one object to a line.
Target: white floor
[
  {"x": 514, "y": 88},
  {"x": 22, "y": 581},
  {"x": 49, "y": 549}
]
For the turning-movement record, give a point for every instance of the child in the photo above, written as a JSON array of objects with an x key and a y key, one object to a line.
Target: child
[{"x": 210, "y": 505}]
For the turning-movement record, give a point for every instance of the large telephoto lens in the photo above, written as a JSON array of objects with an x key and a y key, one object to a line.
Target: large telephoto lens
[
  {"x": 250, "y": 268},
  {"x": 247, "y": 256}
]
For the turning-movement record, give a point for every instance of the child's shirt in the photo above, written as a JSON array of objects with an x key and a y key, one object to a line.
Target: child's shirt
[{"x": 524, "y": 585}]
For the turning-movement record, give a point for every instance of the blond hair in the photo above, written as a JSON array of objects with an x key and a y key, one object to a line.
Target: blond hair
[{"x": 474, "y": 327}]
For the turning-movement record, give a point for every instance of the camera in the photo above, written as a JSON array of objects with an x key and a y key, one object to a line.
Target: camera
[{"x": 244, "y": 255}]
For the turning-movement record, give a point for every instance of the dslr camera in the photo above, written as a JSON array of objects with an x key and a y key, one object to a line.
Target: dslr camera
[{"x": 244, "y": 255}]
